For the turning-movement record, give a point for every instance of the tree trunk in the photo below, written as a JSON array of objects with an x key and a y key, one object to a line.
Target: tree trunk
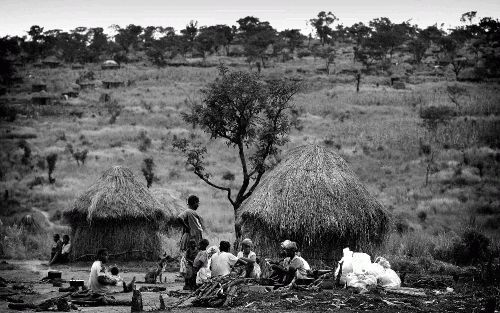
[{"x": 237, "y": 229}]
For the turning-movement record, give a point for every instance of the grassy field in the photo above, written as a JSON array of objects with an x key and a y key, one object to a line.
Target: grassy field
[{"x": 378, "y": 131}]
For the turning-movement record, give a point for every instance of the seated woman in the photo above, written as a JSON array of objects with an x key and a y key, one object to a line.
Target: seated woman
[
  {"x": 292, "y": 267},
  {"x": 100, "y": 280},
  {"x": 251, "y": 269}
]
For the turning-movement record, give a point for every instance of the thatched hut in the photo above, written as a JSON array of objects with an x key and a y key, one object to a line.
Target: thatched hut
[
  {"x": 51, "y": 62},
  {"x": 118, "y": 213},
  {"x": 86, "y": 85},
  {"x": 77, "y": 66},
  {"x": 314, "y": 198},
  {"x": 70, "y": 93},
  {"x": 38, "y": 86},
  {"x": 171, "y": 205},
  {"x": 42, "y": 98},
  {"x": 32, "y": 224},
  {"x": 110, "y": 65},
  {"x": 108, "y": 84}
]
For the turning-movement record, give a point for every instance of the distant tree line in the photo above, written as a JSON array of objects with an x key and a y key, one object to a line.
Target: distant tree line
[{"x": 374, "y": 44}]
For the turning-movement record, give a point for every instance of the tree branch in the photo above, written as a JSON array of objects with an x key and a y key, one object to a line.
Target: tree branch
[
  {"x": 251, "y": 190},
  {"x": 227, "y": 189},
  {"x": 246, "y": 177}
]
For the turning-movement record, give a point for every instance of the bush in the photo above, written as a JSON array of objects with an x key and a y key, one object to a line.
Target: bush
[
  {"x": 435, "y": 115},
  {"x": 148, "y": 170},
  {"x": 228, "y": 176},
  {"x": 472, "y": 248},
  {"x": 422, "y": 216},
  {"x": 144, "y": 141},
  {"x": 303, "y": 53}
]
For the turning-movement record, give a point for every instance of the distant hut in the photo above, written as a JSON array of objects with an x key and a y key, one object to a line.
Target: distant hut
[
  {"x": 70, "y": 93},
  {"x": 118, "y": 213},
  {"x": 38, "y": 86},
  {"x": 110, "y": 65},
  {"x": 108, "y": 84},
  {"x": 86, "y": 85},
  {"x": 51, "y": 62},
  {"x": 76, "y": 66},
  {"x": 30, "y": 224},
  {"x": 171, "y": 205},
  {"x": 42, "y": 98},
  {"x": 314, "y": 198}
]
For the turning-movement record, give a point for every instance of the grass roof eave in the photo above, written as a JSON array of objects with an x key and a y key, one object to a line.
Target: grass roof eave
[{"x": 116, "y": 195}]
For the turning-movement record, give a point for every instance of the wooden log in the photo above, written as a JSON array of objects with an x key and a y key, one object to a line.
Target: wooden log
[
  {"x": 407, "y": 291},
  {"x": 22, "y": 306}
]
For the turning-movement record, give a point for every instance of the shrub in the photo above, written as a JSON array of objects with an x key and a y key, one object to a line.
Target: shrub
[
  {"x": 148, "y": 170},
  {"x": 144, "y": 141},
  {"x": 432, "y": 116},
  {"x": 303, "y": 53},
  {"x": 51, "y": 162},
  {"x": 492, "y": 222},
  {"x": 422, "y": 216},
  {"x": 228, "y": 176},
  {"x": 23, "y": 144},
  {"x": 38, "y": 180},
  {"x": 472, "y": 248},
  {"x": 174, "y": 174}
]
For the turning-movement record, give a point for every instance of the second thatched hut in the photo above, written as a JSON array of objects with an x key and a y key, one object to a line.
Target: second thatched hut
[
  {"x": 314, "y": 198},
  {"x": 118, "y": 213}
]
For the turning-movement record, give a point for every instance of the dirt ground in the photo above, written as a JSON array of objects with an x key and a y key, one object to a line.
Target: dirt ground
[{"x": 463, "y": 298}]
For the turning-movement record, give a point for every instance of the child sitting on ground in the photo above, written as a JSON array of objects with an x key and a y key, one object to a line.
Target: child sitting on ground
[{"x": 114, "y": 273}]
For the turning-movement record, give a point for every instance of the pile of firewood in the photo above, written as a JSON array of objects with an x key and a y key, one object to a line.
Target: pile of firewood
[{"x": 219, "y": 291}]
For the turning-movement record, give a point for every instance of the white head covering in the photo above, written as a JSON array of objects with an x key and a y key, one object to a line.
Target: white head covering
[
  {"x": 247, "y": 242},
  {"x": 212, "y": 250},
  {"x": 287, "y": 244}
]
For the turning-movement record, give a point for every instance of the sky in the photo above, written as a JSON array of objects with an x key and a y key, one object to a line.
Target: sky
[{"x": 16, "y": 16}]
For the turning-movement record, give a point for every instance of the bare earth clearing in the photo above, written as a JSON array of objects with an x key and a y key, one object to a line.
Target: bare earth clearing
[{"x": 466, "y": 297}]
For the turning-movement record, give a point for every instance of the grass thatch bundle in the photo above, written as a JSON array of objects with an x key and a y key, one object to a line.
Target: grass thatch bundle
[
  {"x": 118, "y": 213},
  {"x": 171, "y": 205},
  {"x": 314, "y": 198}
]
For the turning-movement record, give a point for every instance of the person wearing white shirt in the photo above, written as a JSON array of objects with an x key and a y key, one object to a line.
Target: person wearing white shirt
[{"x": 222, "y": 262}]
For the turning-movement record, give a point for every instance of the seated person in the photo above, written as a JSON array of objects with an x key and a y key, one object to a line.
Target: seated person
[
  {"x": 201, "y": 264},
  {"x": 222, "y": 262},
  {"x": 66, "y": 249},
  {"x": 251, "y": 269},
  {"x": 100, "y": 280},
  {"x": 56, "y": 249},
  {"x": 115, "y": 274},
  {"x": 292, "y": 267}
]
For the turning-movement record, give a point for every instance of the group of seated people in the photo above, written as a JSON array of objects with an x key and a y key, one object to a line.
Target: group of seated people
[
  {"x": 202, "y": 263},
  {"x": 60, "y": 250}
]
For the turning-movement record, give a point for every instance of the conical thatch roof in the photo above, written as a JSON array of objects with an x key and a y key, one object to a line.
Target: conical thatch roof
[
  {"x": 51, "y": 59},
  {"x": 314, "y": 198},
  {"x": 116, "y": 196},
  {"x": 109, "y": 62},
  {"x": 171, "y": 205}
]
